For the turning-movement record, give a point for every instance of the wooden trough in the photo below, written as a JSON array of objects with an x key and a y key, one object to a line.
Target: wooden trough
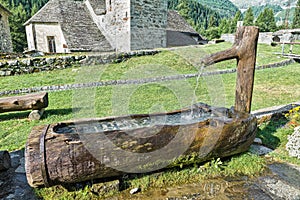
[{"x": 72, "y": 151}]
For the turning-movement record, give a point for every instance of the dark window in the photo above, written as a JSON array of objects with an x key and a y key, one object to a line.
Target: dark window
[{"x": 51, "y": 44}]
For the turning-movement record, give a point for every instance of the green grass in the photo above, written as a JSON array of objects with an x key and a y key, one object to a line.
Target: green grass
[
  {"x": 242, "y": 165},
  {"x": 180, "y": 61}
]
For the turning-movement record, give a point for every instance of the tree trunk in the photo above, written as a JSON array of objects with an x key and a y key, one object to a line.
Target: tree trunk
[{"x": 27, "y": 102}]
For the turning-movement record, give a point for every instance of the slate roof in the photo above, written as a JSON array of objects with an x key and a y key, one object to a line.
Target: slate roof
[
  {"x": 177, "y": 23},
  {"x": 5, "y": 9},
  {"x": 79, "y": 29}
]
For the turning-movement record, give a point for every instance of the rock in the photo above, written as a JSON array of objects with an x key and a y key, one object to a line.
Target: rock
[
  {"x": 11, "y": 196},
  {"x": 50, "y": 60},
  {"x": 134, "y": 190},
  {"x": 2, "y": 73},
  {"x": 107, "y": 187},
  {"x": 5, "y": 160},
  {"x": 293, "y": 144},
  {"x": 257, "y": 141},
  {"x": 8, "y": 73},
  {"x": 2, "y": 64},
  {"x": 21, "y": 168},
  {"x": 13, "y": 63},
  {"x": 259, "y": 149},
  {"x": 15, "y": 157},
  {"x": 26, "y": 62},
  {"x": 279, "y": 189}
]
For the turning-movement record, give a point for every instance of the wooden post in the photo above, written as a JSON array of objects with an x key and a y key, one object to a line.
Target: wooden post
[
  {"x": 244, "y": 50},
  {"x": 291, "y": 48},
  {"x": 282, "y": 49}
]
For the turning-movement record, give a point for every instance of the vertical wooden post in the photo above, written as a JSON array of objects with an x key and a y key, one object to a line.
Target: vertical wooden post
[
  {"x": 282, "y": 49},
  {"x": 246, "y": 42},
  {"x": 244, "y": 50}
]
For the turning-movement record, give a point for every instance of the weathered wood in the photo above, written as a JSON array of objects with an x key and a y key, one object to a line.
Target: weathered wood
[
  {"x": 5, "y": 162},
  {"x": 61, "y": 153},
  {"x": 36, "y": 114},
  {"x": 244, "y": 50},
  {"x": 35, "y": 101}
]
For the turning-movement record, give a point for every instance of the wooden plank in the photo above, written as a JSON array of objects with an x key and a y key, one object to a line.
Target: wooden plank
[
  {"x": 244, "y": 51},
  {"x": 35, "y": 101}
]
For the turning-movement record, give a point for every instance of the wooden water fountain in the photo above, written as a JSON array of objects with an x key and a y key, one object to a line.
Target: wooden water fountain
[{"x": 60, "y": 153}]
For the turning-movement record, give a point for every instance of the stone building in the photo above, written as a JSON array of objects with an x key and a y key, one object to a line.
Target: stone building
[
  {"x": 5, "y": 37},
  {"x": 288, "y": 35},
  {"x": 180, "y": 33},
  {"x": 99, "y": 25}
]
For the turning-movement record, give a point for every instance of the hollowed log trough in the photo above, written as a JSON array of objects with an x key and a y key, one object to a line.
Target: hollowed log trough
[
  {"x": 88, "y": 149},
  {"x": 73, "y": 151}
]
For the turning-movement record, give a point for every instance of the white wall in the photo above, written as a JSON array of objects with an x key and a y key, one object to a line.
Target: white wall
[
  {"x": 115, "y": 24},
  {"x": 41, "y": 32}
]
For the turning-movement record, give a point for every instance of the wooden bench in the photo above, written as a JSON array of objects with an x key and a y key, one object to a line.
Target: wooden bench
[{"x": 36, "y": 102}]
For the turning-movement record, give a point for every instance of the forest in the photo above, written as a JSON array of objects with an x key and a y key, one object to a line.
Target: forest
[{"x": 21, "y": 11}]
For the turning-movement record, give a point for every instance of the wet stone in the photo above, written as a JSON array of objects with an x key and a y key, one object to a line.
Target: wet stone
[
  {"x": 259, "y": 149},
  {"x": 257, "y": 141},
  {"x": 106, "y": 187}
]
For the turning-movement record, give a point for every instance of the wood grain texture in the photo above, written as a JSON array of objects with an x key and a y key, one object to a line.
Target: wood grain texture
[
  {"x": 70, "y": 157},
  {"x": 244, "y": 50},
  {"x": 35, "y": 101}
]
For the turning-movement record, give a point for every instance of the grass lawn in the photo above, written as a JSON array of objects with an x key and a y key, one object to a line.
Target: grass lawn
[
  {"x": 182, "y": 61},
  {"x": 272, "y": 87}
]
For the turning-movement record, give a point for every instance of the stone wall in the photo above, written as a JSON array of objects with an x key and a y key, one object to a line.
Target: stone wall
[
  {"x": 264, "y": 38},
  {"x": 148, "y": 24},
  {"x": 5, "y": 38},
  {"x": 132, "y": 24},
  {"x": 38, "y": 64}
]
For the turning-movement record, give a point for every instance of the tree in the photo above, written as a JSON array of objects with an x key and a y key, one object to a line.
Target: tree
[
  {"x": 183, "y": 9},
  {"x": 249, "y": 17},
  {"x": 238, "y": 17},
  {"x": 266, "y": 21},
  {"x": 18, "y": 34},
  {"x": 296, "y": 20},
  {"x": 224, "y": 26},
  {"x": 34, "y": 9},
  {"x": 212, "y": 33},
  {"x": 212, "y": 22}
]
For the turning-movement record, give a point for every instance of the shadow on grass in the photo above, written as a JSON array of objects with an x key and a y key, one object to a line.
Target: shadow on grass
[
  {"x": 25, "y": 114},
  {"x": 266, "y": 133}
]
